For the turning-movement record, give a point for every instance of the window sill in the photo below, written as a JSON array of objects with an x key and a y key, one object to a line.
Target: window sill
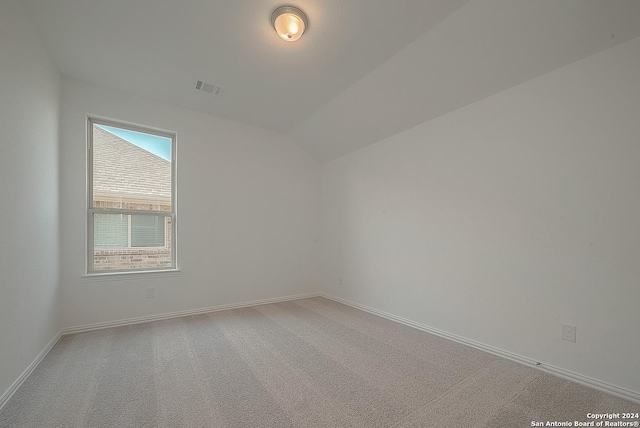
[{"x": 118, "y": 276}]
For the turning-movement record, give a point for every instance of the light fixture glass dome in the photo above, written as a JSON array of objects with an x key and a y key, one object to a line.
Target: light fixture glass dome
[{"x": 289, "y": 22}]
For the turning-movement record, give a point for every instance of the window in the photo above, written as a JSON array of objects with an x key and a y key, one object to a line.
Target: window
[
  {"x": 128, "y": 231},
  {"x": 131, "y": 198}
]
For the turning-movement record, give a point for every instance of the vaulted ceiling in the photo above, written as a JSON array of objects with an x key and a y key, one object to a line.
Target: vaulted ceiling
[{"x": 363, "y": 71}]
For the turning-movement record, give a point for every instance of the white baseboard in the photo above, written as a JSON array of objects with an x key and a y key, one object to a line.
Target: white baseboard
[
  {"x": 25, "y": 374},
  {"x": 557, "y": 371},
  {"x": 149, "y": 318}
]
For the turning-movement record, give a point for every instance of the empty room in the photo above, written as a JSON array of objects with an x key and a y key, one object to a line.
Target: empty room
[{"x": 319, "y": 213}]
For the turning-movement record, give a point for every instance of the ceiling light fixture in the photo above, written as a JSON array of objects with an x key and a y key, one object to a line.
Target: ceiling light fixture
[{"x": 289, "y": 22}]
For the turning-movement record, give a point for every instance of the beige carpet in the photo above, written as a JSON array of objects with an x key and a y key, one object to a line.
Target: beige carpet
[{"x": 307, "y": 363}]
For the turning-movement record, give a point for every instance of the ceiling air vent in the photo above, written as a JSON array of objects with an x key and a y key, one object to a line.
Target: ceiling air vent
[{"x": 209, "y": 88}]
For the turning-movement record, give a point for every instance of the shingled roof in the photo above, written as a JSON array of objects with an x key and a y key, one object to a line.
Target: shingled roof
[{"x": 122, "y": 169}]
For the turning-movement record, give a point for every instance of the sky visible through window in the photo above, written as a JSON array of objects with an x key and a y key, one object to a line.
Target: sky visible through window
[{"x": 159, "y": 146}]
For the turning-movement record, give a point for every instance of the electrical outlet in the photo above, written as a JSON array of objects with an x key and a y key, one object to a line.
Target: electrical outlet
[
  {"x": 341, "y": 281},
  {"x": 569, "y": 332},
  {"x": 150, "y": 292}
]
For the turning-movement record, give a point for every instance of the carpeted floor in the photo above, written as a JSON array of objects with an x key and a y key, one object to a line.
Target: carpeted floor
[{"x": 306, "y": 363}]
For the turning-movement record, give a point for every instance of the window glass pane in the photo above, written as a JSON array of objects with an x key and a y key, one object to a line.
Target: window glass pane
[
  {"x": 147, "y": 231},
  {"x": 110, "y": 230},
  {"x": 131, "y": 203},
  {"x": 131, "y": 170}
]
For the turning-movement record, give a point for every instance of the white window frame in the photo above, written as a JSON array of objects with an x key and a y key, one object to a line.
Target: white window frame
[{"x": 91, "y": 210}]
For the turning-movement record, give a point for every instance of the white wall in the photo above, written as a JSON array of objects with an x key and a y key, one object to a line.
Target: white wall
[
  {"x": 29, "y": 112},
  {"x": 247, "y": 212},
  {"x": 503, "y": 220}
]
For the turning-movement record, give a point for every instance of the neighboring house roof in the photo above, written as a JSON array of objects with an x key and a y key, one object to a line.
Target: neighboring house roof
[{"x": 122, "y": 169}]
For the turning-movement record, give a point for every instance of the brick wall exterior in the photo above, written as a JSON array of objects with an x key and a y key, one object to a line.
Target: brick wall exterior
[{"x": 133, "y": 258}]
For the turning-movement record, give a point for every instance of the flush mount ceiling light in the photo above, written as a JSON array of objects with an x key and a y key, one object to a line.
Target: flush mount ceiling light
[{"x": 289, "y": 22}]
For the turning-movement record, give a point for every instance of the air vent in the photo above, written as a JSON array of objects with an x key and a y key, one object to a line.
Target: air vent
[{"x": 209, "y": 88}]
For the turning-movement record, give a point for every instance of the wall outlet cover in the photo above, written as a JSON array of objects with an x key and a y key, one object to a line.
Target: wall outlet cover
[{"x": 569, "y": 332}]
